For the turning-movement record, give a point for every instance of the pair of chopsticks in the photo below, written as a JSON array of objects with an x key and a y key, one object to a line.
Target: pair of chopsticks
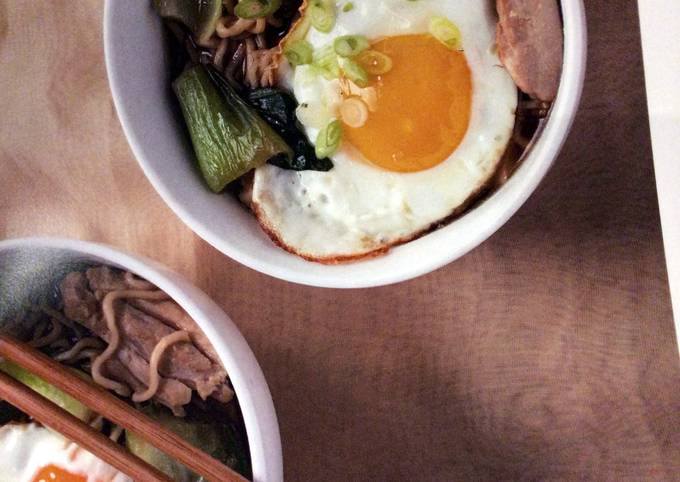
[{"x": 112, "y": 408}]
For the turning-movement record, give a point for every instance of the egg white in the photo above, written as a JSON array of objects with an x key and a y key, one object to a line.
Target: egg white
[
  {"x": 26, "y": 448},
  {"x": 357, "y": 208}
]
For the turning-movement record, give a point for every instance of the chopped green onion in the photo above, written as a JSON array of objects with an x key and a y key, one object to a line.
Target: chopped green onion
[
  {"x": 313, "y": 71},
  {"x": 354, "y": 112},
  {"x": 446, "y": 32},
  {"x": 326, "y": 60},
  {"x": 350, "y": 45},
  {"x": 349, "y": 6},
  {"x": 374, "y": 62},
  {"x": 256, "y": 8},
  {"x": 354, "y": 72},
  {"x": 314, "y": 114},
  {"x": 322, "y": 15},
  {"x": 328, "y": 140},
  {"x": 298, "y": 52}
]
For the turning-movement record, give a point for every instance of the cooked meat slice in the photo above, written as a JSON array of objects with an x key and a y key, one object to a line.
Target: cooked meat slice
[
  {"x": 77, "y": 307},
  {"x": 130, "y": 369},
  {"x": 103, "y": 279},
  {"x": 79, "y": 302},
  {"x": 141, "y": 332},
  {"x": 173, "y": 315},
  {"x": 182, "y": 361},
  {"x": 223, "y": 393},
  {"x": 530, "y": 44}
]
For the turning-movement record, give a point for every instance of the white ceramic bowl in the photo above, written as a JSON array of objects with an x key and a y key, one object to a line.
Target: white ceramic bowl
[
  {"x": 136, "y": 65},
  {"x": 30, "y": 262}
]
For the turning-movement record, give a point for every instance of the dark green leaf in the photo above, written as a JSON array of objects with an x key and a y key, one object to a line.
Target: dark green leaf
[
  {"x": 229, "y": 138},
  {"x": 278, "y": 109}
]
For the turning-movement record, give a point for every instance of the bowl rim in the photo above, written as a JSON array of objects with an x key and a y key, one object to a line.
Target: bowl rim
[
  {"x": 460, "y": 237},
  {"x": 245, "y": 373}
]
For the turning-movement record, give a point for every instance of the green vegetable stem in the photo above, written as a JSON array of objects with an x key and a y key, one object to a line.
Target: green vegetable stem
[
  {"x": 50, "y": 392},
  {"x": 229, "y": 138}
]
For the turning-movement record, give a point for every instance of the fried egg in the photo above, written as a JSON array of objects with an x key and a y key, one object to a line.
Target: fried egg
[
  {"x": 32, "y": 453},
  {"x": 438, "y": 125}
]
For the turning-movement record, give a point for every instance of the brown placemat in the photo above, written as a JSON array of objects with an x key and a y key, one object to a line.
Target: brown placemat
[{"x": 548, "y": 353}]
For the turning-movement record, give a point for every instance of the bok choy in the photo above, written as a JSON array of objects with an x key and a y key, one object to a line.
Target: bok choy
[{"x": 229, "y": 138}]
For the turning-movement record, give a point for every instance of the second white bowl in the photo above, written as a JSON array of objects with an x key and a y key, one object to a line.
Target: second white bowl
[{"x": 28, "y": 264}]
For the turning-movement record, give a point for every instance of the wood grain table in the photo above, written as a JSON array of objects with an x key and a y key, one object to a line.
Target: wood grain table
[{"x": 547, "y": 353}]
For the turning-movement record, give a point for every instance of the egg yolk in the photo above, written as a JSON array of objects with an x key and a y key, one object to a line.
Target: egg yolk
[
  {"x": 52, "y": 473},
  {"x": 423, "y": 107}
]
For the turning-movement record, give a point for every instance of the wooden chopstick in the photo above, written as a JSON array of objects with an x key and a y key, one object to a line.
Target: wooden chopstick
[
  {"x": 76, "y": 430},
  {"x": 115, "y": 410}
]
